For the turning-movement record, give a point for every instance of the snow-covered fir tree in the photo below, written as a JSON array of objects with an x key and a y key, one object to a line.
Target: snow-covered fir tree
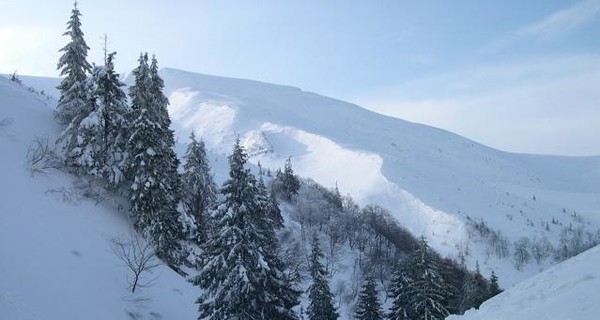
[
  {"x": 198, "y": 189},
  {"x": 368, "y": 306},
  {"x": 320, "y": 297},
  {"x": 75, "y": 103},
  {"x": 454, "y": 277},
  {"x": 279, "y": 282},
  {"x": 269, "y": 203},
  {"x": 112, "y": 109},
  {"x": 400, "y": 293},
  {"x": 289, "y": 182},
  {"x": 426, "y": 293},
  {"x": 80, "y": 140},
  {"x": 152, "y": 165},
  {"x": 475, "y": 290},
  {"x": 242, "y": 277},
  {"x": 98, "y": 142},
  {"x": 74, "y": 66},
  {"x": 161, "y": 102},
  {"x": 494, "y": 286}
]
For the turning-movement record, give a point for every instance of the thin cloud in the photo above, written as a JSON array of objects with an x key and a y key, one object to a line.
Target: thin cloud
[
  {"x": 557, "y": 24},
  {"x": 563, "y": 21},
  {"x": 545, "y": 106}
]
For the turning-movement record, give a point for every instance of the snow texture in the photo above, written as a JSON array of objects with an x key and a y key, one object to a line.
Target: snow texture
[
  {"x": 567, "y": 291},
  {"x": 430, "y": 179},
  {"x": 56, "y": 261}
]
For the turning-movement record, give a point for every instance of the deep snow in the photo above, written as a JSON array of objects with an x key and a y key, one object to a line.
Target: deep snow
[
  {"x": 55, "y": 257},
  {"x": 567, "y": 291},
  {"x": 430, "y": 179}
]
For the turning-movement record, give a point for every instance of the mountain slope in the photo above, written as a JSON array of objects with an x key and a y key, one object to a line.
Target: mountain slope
[
  {"x": 56, "y": 260},
  {"x": 435, "y": 183},
  {"x": 432, "y": 180},
  {"x": 568, "y": 290}
]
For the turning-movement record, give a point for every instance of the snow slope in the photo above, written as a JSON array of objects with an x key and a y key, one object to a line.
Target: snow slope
[
  {"x": 431, "y": 180},
  {"x": 55, "y": 260},
  {"x": 566, "y": 291}
]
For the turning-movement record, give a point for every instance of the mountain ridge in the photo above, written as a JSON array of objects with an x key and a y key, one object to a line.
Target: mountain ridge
[{"x": 432, "y": 180}]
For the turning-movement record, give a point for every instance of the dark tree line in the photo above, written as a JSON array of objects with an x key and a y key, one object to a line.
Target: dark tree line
[{"x": 389, "y": 255}]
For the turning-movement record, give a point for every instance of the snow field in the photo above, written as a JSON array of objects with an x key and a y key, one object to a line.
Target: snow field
[
  {"x": 566, "y": 291},
  {"x": 56, "y": 260}
]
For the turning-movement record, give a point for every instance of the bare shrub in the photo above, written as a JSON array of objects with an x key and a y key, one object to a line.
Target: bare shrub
[
  {"x": 138, "y": 255},
  {"x": 41, "y": 156},
  {"x": 68, "y": 195},
  {"x": 5, "y": 122}
]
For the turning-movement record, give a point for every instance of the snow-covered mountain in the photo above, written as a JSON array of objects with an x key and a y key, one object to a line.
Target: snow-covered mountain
[
  {"x": 454, "y": 191},
  {"x": 436, "y": 183},
  {"x": 566, "y": 291},
  {"x": 433, "y": 181}
]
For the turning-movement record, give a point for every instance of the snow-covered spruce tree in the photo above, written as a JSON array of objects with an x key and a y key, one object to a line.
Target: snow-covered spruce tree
[
  {"x": 198, "y": 189},
  {"x": 454, "y": 276},
  {"x": 152, "y": 165},
  {"x": 281, "y": 282},
  {"x": 289, "y": 182},
  {"x": 242, "y": 277},
  {"x": 97, "y": 136},
  {"x": 494, "y": 286},
  {"x": 368, "y": 306},
  {"x": 269, "y": 203},
  {"x": 112, "y": 109},
  {"x": 471, "y": 294},
  {"x": 400, "y": 291},
  {"x": 474, "y": 291},
  {"x": 74, "y": 66},
  {"x": 159, "y": 99},
  {"x": 80, "y": 141},
  {"x": 320, "y": 297},
  {"x": 426, "y": 294}
]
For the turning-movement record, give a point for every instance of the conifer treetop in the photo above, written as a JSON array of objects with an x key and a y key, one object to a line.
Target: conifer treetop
[{"x": 74, "y": 66}]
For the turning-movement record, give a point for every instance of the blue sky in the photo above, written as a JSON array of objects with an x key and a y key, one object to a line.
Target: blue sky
[{"x": 521, "y": 76}]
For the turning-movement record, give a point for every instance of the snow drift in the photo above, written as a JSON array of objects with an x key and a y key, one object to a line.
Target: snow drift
[{"x": 566, "y": 291}]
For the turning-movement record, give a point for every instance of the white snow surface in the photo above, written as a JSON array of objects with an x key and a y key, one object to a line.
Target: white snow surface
[
  {"x": 567, "y": 291},
  {"x": 55, "y": 257},
  {"x": 430, "y": 179}
]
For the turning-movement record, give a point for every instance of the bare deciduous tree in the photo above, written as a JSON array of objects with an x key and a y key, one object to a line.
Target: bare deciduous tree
[
  {"x": 521, "y": 253},
  {"x": 139, "y": 257}
]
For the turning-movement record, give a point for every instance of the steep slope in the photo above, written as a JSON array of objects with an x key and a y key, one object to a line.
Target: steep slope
[
  {"x": 568, "y": 290},
  {"x": 56, "y": 261},
  {"x": 434, "y": 181}
]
